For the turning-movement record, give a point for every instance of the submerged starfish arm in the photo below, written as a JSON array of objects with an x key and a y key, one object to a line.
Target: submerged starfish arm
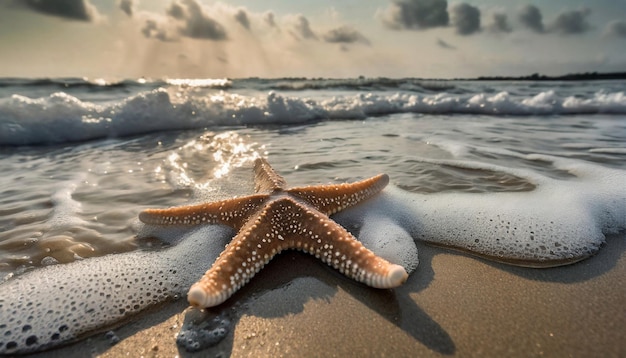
[
  {"x": 231, "y": 212},
  {"x": 265, "y": 177},
  {"x": 286, "y": 224},
  {"x": 330, "y": 199}
]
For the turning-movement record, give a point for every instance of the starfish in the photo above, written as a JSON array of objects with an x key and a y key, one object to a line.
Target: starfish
[{"x": 276, "y": 219}]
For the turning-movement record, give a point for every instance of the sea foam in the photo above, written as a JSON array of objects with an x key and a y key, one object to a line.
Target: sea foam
[
  {"x": 92, "y": 294},
  {"x": 560, "y": 222},
  {"x": 62, "y": 117}
]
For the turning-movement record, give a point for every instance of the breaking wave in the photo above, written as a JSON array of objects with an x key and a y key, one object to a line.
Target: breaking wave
[{"x": 61, "y": 117}]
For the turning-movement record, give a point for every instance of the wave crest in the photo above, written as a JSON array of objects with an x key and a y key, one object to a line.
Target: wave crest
[{"x": 62, "y": 117}]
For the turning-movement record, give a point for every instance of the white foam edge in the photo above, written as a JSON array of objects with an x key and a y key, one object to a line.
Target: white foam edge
[
  {"x": 62, "y": 117},
  {"x": 561, "y": 221},
  {"x": 66, "y": 209},
  {"x": 389, "y": 240}
]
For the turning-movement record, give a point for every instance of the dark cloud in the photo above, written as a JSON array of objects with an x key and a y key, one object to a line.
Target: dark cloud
[
  {"x": 154, "y": 29},
  {"x": 345, "y": 35},
  {"x": 571, "y": 22},
  {"x": 241, "y": 16},
  {"x": 127, "y": 6},
  {"x": 466, "y": 19},
  {"x": 415, "y": 14},
  {"x": 302, "y": 28},
  {"x": 184, "y": 18},
  {"x": 530, "y": 16},
  {"x": 176, "y": 10},
  {"x": 269, "y": 19},
  {"x": 500, "y": 24},
  {"x": 198, "y": 25},
  {"x": 81, "y": 10},
  {"x": 441, "y": 43},
  {"x": 616, "y": 28}
]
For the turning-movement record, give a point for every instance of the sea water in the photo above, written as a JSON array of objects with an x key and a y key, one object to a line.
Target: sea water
[
  {"x": 80, "y": 158},
  {"x": 530, "y": 173}
]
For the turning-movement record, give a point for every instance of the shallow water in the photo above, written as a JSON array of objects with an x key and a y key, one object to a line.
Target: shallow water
[
  {"x": 63, "y": 203},
  {"x": 69, "y": 200}
]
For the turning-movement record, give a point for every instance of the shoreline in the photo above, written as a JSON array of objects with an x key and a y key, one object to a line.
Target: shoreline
[{"x": 452, "y": 305}]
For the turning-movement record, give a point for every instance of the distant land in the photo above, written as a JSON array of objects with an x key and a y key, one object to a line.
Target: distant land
[{"x": 587, "y": 76}]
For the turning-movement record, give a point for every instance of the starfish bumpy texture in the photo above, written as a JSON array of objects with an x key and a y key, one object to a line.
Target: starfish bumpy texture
[{"x": 276, "y": 219}]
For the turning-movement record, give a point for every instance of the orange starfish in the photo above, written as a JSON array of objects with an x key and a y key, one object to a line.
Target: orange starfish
[{"x": 277, "y": 219}]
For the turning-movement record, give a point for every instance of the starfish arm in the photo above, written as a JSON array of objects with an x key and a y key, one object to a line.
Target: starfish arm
[
  {"x": 330, "y": 199},
  {"x": 317, "y": 234},
  {"x": 286, "y": 224},
  {"x": 266, "y": 180},
  {"x": 232, "y": 212},
  {"x": 251, "y": 249}
]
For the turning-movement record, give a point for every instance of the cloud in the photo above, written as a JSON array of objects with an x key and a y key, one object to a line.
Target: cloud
[
  {"x": 345, "y": 35},
  {"x": 302, "y": 28},
  {"x": 415, "y": 14},
  {"x": 155, "y": 29},
  {"x": 269, "y": 19},
  {"x": 127, "y": 6},
  {"x": 198, "y": 25},
  {"x": 571, "y": 22},
  {"x": 441, "y": 43},
  {"x": 466, "y": 19},
  {"x": 500, "y": 24},
  {"x": 176, "y": 10},
  {"x": 241, "y": 16},
  {"x": 615, "y": 28},
  {"x": 530, "y": 16},
  {"x": 80, "y": 10},
  {"x": 184, "y": 18}
]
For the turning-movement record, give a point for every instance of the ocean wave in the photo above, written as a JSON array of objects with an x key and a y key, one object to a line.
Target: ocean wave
[
  {"x": 76, "y": 82},
  {"x": 280, "y": 84},
  {"x": 356, "y": 84},
  {"x": 62, "y": 117},
  {"x": 105, "y": 84}
]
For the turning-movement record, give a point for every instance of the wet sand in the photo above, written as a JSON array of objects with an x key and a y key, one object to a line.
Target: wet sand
[{"x": 453, "y": 305}]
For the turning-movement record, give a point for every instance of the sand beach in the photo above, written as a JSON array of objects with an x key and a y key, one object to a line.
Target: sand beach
[{"x": 454, "y": 305}]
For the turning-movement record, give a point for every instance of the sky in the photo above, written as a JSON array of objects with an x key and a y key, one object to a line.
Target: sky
[{"x": 116, "y": 39}]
